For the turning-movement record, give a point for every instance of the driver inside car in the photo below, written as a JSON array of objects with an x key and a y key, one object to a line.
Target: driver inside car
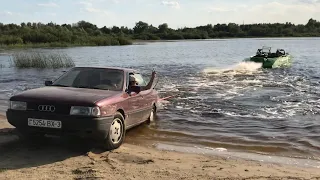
[{"x": 133, "y": 86}]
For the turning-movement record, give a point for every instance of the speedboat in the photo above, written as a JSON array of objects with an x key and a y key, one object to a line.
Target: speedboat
[{"x": 270, "y": 59}]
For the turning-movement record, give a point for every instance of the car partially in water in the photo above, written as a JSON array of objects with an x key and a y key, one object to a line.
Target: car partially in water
[{"x": 89, "y": 102}]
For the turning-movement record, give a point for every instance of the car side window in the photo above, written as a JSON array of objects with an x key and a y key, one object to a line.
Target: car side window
[{"x": 140, "y": 80}]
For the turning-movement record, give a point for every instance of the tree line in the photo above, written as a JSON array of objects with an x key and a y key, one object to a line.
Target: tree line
[{"x": 85, "y": 33}]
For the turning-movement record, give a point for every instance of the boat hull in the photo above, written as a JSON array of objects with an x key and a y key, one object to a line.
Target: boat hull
[{"x": 276, "y": 62}]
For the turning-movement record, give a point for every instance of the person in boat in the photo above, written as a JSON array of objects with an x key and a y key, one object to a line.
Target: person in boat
[
  {"x": 133, "y": 84},
  {"x": 279, "y": 52},
  {"x": 259, "y": 52}
]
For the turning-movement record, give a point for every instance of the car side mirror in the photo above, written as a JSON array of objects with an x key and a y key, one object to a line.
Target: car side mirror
[{"x": 48, "y": 83}]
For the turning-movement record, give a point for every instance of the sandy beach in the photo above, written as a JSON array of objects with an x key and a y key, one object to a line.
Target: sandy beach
[{"x": 73, "y": 159}]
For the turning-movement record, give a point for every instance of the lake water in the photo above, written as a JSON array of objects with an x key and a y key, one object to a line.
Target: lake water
[{"x": 218, "y": 101}]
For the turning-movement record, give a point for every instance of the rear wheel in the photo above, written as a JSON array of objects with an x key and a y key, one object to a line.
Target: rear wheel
[{"x": 116, "y": 133}]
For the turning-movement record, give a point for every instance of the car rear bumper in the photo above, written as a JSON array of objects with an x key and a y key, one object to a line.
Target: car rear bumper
[{"x": 70, "y": 125}]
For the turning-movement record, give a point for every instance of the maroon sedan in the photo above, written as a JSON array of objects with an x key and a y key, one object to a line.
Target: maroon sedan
[{"x": 101, "y": 103}]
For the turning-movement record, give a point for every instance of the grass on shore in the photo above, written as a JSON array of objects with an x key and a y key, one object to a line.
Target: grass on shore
[
  {"x": 41, "y": 60},
  {"x": 95, "y": 42}
]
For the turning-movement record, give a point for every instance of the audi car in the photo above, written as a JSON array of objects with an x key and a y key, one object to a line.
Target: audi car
[{"x": 89, "y": 102}]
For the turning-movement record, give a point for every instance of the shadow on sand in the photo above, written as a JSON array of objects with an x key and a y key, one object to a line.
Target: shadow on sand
[{"x": 16, "y": 154}]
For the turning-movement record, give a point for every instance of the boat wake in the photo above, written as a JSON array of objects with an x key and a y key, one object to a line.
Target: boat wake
[{"x": 240, "y": 68}]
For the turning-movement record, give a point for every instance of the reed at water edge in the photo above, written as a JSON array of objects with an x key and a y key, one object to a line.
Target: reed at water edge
[{"x": 41, "y": 60}]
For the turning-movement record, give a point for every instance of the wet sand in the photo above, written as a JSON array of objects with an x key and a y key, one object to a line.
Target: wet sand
[{"x": 73, "y": 159}]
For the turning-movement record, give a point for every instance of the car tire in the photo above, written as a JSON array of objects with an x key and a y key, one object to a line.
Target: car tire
[
  {"x": 153, "y": 114},
  {"x": 116, "y": 133}
]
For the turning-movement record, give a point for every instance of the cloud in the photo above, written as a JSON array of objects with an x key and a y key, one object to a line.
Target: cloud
[
  {"x": 10, "y": 14},
  {"x": 275, "y": 11},
  {"x": 310, "y": 1},
  {"x": 52, "y": 14},
  {"x": 116, "y": 1},
  {"x": 95, "y": 11},
  {"x": 219, "y": 9},
  {"x": 280, "y": 12},
  {"x": 100, "y": 1},
  {"x": 88, "y": 7},
  {"x": 172, "y": 4},
  {"x": 92, "y": 2},
  {"x": 224, "y": 9},
  {"x": 280, "y": 8},
  {"x": 51, "y": 4},
  {"x": 6, "y": 13},
  {"x": 92, "y": 10},
  {"x": 85, "y": 3}
]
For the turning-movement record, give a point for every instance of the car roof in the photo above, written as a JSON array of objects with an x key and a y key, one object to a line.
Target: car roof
[{"x": 109, "y": 67}]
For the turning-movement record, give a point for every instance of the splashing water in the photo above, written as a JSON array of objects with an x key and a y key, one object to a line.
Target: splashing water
[{"x": 240, "y": 68}]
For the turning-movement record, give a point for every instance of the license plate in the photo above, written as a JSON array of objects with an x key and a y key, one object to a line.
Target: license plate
[{"x": 44, "y": 123}]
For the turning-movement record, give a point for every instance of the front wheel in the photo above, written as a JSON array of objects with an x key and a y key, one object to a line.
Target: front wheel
[
  {"x": 116, "y": 133},
  {"x": 153, "y": 115}
]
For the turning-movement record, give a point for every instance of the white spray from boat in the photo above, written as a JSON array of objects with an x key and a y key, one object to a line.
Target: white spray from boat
[{"x": 240, "y": 68}]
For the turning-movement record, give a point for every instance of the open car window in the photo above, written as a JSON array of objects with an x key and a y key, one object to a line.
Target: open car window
[
  {"x": 140, "y": 80},
  {"x": 92, "y": 78}
]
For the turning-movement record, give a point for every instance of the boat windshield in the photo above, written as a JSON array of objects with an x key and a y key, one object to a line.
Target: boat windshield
[{"x": 266, "y": 49}]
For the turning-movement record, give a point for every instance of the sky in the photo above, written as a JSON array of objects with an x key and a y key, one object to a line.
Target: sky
[{"x": 176, "y": 13}]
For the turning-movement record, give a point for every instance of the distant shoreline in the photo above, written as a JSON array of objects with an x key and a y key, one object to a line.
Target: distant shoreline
[
  {"x": 82, "y": 33},
  {"x": 218, "y": 39},
  {"x": 136, "y": 42}
]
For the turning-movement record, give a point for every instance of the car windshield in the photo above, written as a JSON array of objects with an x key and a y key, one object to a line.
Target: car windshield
[{"x": 92, "y": 78}]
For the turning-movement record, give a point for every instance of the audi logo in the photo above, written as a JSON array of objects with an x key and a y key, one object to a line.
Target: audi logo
[{"x": 46, "y": 108}]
